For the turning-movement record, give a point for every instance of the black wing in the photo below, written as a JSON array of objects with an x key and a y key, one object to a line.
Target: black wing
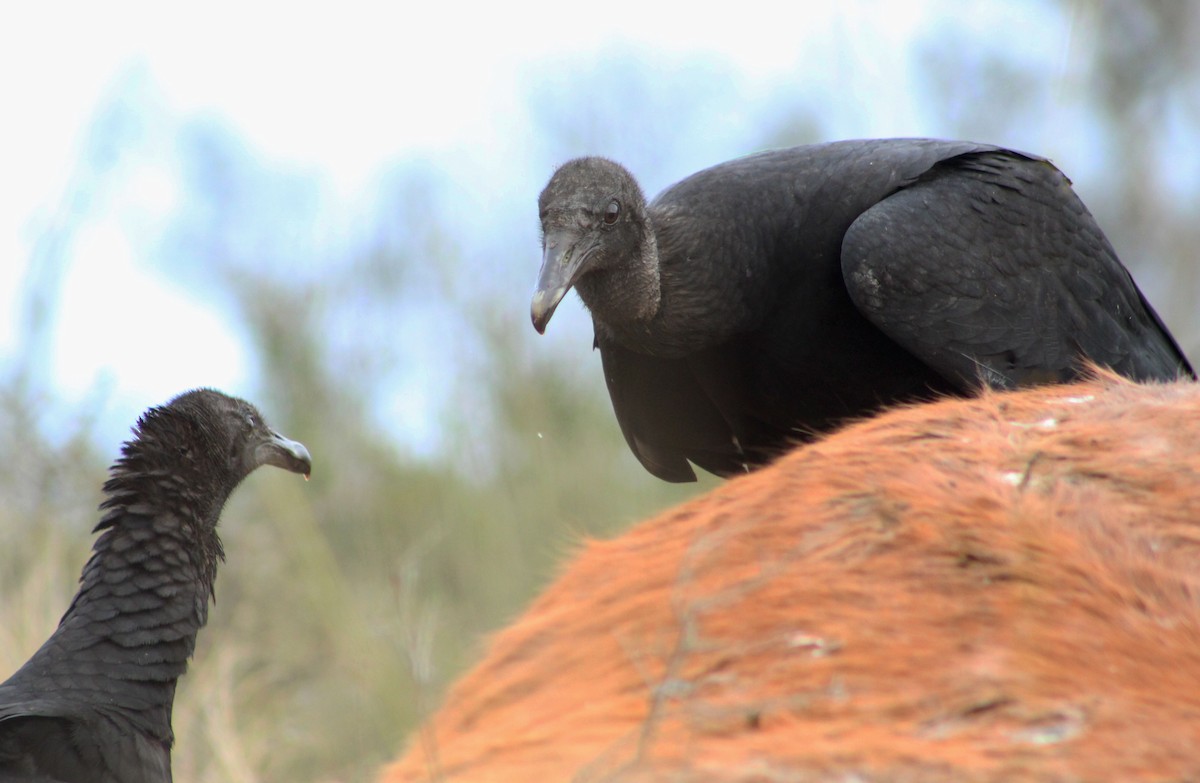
[
  {"x": 29, "y": 742},
  {"x": 989, "y": 267},
  {"x": 667, "y": 416},
  {"x": 45, "y": 741}
]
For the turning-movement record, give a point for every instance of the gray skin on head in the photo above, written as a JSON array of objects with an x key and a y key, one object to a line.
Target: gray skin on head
[
  {"x": 596, "y": 238},
  {"x": 219, "y": 418}
]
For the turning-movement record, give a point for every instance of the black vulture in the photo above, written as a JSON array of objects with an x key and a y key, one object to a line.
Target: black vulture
[
  {"x": 94, "y": 702},
  {"x": 769, "y": 298}
]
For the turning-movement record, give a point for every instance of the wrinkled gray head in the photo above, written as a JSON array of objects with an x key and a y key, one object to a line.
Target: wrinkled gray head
[
  {"x": 232, "y": 436},
  {"x": 207, "y": 442},
  {"x": 595, "y": 234}
]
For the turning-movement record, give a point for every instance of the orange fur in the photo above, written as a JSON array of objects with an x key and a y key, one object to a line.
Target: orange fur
[{"x": 1004, "y": 588}]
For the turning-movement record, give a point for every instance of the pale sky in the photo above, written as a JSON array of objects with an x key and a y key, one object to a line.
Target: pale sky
[{"x": 343, "y": 89}]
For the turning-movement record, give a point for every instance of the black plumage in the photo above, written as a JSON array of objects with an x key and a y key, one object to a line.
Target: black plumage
[
  {"x": 775, "y": 296},
  {"x": 93, "y": 704}
]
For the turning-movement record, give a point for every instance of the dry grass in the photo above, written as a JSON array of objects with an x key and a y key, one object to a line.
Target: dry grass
[{"x": 346, "y": 603}]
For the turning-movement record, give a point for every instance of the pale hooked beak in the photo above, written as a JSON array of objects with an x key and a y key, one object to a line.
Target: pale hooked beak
[{"x": 563, "y": 255}]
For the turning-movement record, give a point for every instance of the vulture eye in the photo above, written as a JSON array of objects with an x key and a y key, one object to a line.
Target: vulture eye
[{"x": 611, "y": 211}]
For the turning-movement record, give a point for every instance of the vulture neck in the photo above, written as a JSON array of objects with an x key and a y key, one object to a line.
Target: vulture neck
[
  {"x": 144, "y": 592},
  {"x": 625, "y": 295},
  {"x": 654, "y": 304}
]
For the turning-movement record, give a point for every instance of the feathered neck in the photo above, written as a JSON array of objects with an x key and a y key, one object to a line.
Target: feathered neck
[
  {"x": 144, "y": 593},
  {"x": 160, "y": 476}
]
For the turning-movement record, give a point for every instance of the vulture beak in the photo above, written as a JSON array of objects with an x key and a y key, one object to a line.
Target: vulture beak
[
  {"x": 563, "y": 254},
  {"x": 281, "y": 452}
]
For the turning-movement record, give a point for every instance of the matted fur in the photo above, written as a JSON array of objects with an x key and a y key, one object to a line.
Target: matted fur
[{"x": 1004, "y": 588}]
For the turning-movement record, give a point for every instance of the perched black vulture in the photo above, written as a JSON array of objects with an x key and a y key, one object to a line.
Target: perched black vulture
[
  {"x": 771, "y": 297},
  {"x": 94, "y": 702}
]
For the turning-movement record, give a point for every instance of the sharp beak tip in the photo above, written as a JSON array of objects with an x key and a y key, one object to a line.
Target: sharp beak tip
[
  {"x": 303, "y": 462},
  {"x": 287, "y": 454},
  {"x": 542, "y": 308}
]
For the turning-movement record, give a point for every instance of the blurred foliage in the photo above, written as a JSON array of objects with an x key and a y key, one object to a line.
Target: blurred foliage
[{"x": 348, "y": 603}]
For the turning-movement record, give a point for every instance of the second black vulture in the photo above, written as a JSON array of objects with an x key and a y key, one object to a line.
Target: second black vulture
[
  {"x": 772, "y": 297},
  {"x": 93, "y": 704}
]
